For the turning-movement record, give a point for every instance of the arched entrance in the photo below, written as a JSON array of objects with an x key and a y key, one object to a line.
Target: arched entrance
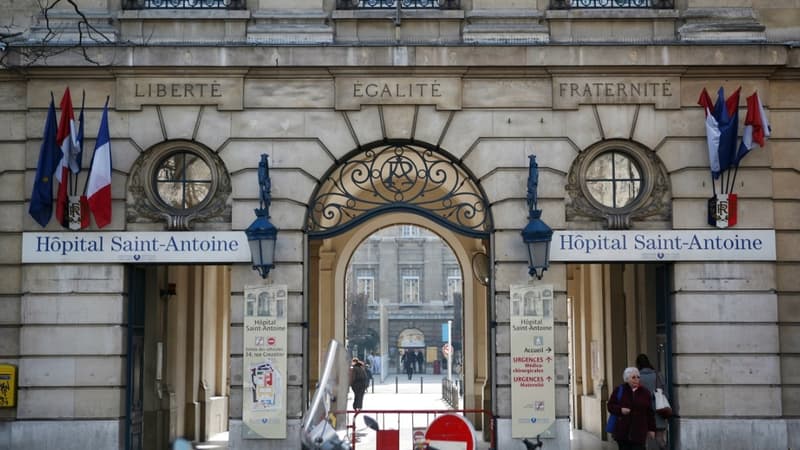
[
  {"x": 388, "y": 183},
  {"x": 411, "y": 338}
]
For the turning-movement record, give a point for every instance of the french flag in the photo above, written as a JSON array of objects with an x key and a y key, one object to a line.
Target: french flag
[
  {"x": 756, "y": 127},
  {"x": 712, "y": 132},
  {"x": 727, "y": 115},
  {"x": 66, "y": 137},
  {"x": 98, "y": 184}
]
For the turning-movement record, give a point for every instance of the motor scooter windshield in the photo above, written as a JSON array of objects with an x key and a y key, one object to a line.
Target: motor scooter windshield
[{"x": 319, "y": 430}]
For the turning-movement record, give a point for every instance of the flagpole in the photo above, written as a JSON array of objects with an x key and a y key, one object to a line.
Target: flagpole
[
  {"x": 735, "y": 170},
  {"x": 73, "y": 188},
  {"x": 713, "y": 184},
  {"x": 723, "y": 186}
]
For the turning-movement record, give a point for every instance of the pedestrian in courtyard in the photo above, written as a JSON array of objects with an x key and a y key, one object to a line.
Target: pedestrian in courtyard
[
  {"x": 370, "y": 360},
  {"x": 408, "y": 363},
  {"x": 652, "y": 381},
  {"x": 420, "y": 361},
  {"x": 358, "y": 382},
  {"x": 368, "y": 365},
  {"x": 634, "y": 410},
  {"x": 376, "y": 365}
]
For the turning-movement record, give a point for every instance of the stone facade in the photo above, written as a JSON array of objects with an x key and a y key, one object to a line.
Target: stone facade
[{"x": 310, "y": 85}]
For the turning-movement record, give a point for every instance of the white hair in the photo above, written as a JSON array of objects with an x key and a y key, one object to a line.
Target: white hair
[{"x": 626, "y": 374}]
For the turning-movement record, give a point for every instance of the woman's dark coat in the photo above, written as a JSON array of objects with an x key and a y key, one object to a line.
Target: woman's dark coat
[{"x": 634, "y": 426}]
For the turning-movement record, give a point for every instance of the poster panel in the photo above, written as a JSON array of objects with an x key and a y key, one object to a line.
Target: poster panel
[
  {"x": 265, "y": 348},
  {"x": 533, "y": 408}
]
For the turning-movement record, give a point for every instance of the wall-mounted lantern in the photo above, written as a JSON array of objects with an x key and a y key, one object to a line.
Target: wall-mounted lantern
[
  {"x": 262, "y": 234},
  {"x": 536, "y": 235}
]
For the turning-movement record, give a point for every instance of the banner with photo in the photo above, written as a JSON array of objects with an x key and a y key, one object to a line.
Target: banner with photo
[
  {"x": 264, "y": 350},
  {"x": 533, "y": 400}
]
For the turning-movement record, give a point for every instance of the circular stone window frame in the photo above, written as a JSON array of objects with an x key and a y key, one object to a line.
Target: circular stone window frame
[
  {"x": 146, "y": 205},
  {"x": 652, "y": 202}
]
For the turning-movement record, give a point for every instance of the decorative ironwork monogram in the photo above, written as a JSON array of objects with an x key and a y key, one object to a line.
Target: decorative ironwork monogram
[{"x": 396, "y": 177}]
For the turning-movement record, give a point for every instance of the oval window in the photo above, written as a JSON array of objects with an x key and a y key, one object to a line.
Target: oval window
[
  {"x": 614, "y": 179},
  {"x": 183, "y": 180}
]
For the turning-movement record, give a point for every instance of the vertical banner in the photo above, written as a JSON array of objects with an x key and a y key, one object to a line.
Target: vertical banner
[
  {"x": 264, "y": 359},
  {"x": 533, "y": 399}
]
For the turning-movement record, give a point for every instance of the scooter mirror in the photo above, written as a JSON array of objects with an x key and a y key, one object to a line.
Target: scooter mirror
[{"x": 371, "y": 423}]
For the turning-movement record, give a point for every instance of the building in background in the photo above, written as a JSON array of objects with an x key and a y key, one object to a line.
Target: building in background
[
  {"x": 413, "y": 278},
  {"x": 422, "y": 115}
]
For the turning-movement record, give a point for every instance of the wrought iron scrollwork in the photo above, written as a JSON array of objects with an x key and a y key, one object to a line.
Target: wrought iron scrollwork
[
  {"x": 184, "y": 4},
  {"x": 392, "y": 4},
  {"x": 398, "y": 177},
  {"x": 612, "y": 4}
]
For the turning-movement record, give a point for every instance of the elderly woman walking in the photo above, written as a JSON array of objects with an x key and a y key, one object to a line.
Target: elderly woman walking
[{"x": 634, "y": 410}]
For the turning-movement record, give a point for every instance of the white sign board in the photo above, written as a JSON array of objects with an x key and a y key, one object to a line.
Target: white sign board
[
  {"x": 265, "y": 347},
  {"x": 663, "y": 245},
  {"x": 136, "y": 246},
  {"x": 232, "y": 246},
  {"x": 533, "y": 398},
  {"x": 448, "y": 445}
]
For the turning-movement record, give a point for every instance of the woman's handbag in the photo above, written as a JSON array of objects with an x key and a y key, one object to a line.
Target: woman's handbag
[
  {"x": 612, "y": 418},
  {"x": 662, "y": 404},
  {"x": 612, "y": 422}
]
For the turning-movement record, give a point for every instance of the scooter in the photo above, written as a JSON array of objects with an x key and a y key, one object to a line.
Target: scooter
[{"x": 318, "y": 431}]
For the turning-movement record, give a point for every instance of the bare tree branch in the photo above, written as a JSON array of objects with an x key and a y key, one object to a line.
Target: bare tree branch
[{"x": 52, "y": 41}]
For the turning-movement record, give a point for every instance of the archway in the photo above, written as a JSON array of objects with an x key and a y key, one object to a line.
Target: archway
[
  {"x": 388, "y": 183},
  {"x": 404, "y": 297}
]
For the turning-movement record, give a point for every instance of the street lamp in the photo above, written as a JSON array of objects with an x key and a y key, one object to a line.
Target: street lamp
[
  {"x": 262, "y": 234},
  {"x": 536, "y": 235}
]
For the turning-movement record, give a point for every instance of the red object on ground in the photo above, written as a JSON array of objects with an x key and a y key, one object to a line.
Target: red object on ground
[
  {"x": 388, "y": 440},
  {"x": 452, "y": 428}
]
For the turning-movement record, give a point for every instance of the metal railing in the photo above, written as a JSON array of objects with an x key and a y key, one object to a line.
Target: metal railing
[
  {"x": 451, "y": 393},
  {"x": 393, "y": 4},
  {"x": 183, "y": 4},
  {"x": 397, "y": 385},
  {"x": 412, "y": 419},
  {"x": 612, "y": 4}
]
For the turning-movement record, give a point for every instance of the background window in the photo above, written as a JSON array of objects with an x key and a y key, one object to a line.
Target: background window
[
  {"x": 365, "y": 284},
  {"x": 409, "y": 231},
  {"x": 410, "y": 283},
  {"x": 453, "y": 284}
]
